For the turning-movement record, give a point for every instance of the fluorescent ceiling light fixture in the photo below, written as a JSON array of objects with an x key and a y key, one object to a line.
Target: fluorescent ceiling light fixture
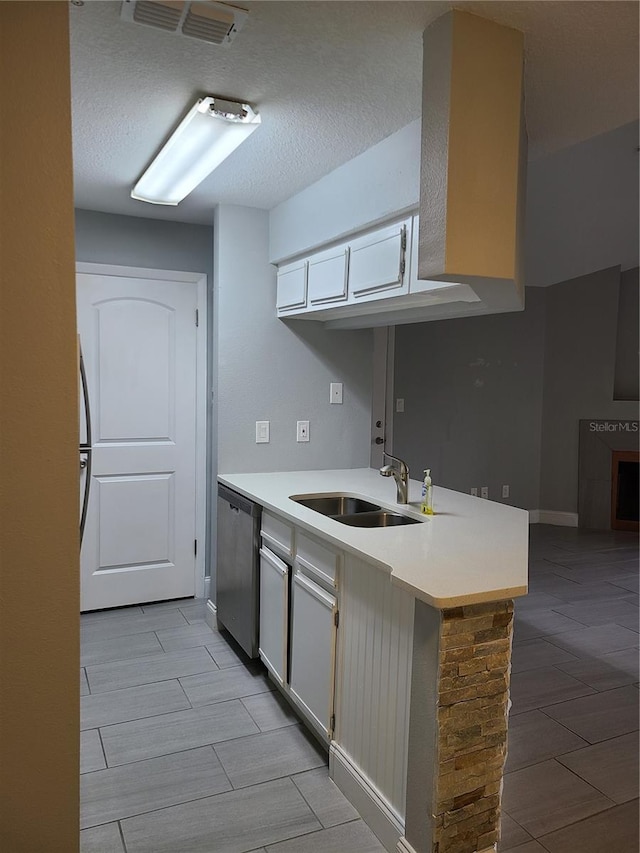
[{"x": 210, "y": 131}]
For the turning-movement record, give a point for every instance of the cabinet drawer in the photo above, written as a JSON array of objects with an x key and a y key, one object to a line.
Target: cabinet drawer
[
  {"x": 277, "y": 534},
  {"x": 328, "y": 276},
  {"x": 292, "y": 286},
  {"x": 316, "y": 560}
]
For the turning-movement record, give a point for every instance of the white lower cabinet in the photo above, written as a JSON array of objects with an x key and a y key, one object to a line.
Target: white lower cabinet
[
  {"x": 274, "y": 614},
  {"x": 299, "y": 618},
  {"x": 313, "y": 647}
]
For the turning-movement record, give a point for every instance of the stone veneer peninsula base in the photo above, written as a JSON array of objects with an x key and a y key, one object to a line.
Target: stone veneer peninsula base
[{"x": 458, "y": 727}]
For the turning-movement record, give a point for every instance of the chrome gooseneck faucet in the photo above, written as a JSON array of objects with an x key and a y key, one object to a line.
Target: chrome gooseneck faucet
[{"x": 399, "y": 470}]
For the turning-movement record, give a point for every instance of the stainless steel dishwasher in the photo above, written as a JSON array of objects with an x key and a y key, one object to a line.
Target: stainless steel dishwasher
[{"x": 237, "y": 584}]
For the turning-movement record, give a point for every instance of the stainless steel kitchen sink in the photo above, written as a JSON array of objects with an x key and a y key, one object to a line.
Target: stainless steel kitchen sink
[
  {"x": 381, "y": 518},
  {"x": 333, "y": 505}
]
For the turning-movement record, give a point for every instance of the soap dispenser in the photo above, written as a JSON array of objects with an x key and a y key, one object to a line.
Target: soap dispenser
[{"x": 426, "y": 505}]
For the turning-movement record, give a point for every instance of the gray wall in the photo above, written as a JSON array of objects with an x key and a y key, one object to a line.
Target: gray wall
[
  {"x": 380, "y": 183},
  {"x": 581, "y": 204},
  {"x": 280, "y": 371},
  {"x": 582, "y": 208},
  {"x": 627, "y": 374},
  {"x": 580, "y": 355},
  {"x": 107, "y": 238},
  {"x": 498, "y": 400},
  {"x": 472, "y": 390}
]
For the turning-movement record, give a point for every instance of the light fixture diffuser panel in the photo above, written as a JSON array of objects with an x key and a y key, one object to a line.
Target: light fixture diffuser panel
[{"x": 210, "y": 131}]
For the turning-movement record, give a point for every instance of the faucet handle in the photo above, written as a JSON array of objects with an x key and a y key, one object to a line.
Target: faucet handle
[{"x": 402, "y": 465}]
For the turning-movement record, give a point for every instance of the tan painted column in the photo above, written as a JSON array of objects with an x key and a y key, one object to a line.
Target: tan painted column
[{"x": 39, "y": 578}]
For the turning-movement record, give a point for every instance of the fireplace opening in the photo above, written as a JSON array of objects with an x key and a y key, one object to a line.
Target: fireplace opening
[{"x": 625, "y": 485}]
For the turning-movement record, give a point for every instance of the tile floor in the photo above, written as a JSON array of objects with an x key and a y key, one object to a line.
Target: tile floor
[
  {"x": 571, "y": 783},
  {"x": 185, "y": 747}
]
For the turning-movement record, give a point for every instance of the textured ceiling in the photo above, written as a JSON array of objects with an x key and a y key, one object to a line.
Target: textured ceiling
[{"x": 329, "y": 79}]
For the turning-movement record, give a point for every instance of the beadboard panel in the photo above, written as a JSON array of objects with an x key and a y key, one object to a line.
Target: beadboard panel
[{"x": 374, "y": 678}]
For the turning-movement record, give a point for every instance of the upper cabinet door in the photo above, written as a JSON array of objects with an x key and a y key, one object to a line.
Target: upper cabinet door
[
  {"x": 328, "y": 276},
  {"x": 377, "y": 260},
  {"x": 292, "y": 286}
]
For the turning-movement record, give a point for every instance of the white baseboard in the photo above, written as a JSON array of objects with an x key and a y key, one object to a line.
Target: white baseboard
[
  {"x": 211, "y": 615},
  {"x": 376, "y": 812},
  {"x": 207, "y": 588},
  {"x": 552, "y": 516}
]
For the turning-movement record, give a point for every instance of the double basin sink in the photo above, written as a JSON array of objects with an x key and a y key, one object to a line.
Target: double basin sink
[{"x": 356, "y": 512}]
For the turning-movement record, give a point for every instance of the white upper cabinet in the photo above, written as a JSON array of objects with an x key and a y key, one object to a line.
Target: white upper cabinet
[
  {"x": 377, "y": 262},
  {"x": 370, "y": 280},
  {"x": 292, "y": 287},
  {"x": 328, "y": 273}
]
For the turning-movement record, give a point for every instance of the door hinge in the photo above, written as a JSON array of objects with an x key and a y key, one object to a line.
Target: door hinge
[
  {"x": 336, "y": 618},
  {"x": 197, "y": 317},
  {"x": 332, "y": 723},
  {"x": 402, "y": 267},
  {"x": 403, "y": 241},
  {"x": 195, "y": 547}
]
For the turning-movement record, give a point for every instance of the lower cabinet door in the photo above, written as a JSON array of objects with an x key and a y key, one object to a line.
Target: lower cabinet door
[
  {"x": 274, "y": 613},
  {"x": 313, "y": 643}
]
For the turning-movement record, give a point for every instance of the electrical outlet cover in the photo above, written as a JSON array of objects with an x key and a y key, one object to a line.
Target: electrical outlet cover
[{"x": 335, "y": 392}]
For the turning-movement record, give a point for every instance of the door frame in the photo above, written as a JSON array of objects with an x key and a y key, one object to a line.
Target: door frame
[
  {"x": 200, "y": 281},
  {"x": 382, "y": 408}
]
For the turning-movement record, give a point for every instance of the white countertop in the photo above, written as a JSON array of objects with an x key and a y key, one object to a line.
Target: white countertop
[{"x": 471, "y": 550}]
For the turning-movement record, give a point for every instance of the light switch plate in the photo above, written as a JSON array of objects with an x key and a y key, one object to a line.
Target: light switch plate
[
  {"x": 335, "y": 392},
  {"x": 400, "y": 404},
  {"x": 302, "y": 433},
  {"x": 262, "y": 432}
]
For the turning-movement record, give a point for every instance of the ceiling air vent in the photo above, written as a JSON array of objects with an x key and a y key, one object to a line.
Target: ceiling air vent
[{"x": 205, "y": 20}]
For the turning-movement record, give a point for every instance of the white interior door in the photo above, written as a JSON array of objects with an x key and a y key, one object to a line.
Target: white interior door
[{"x": 138, "y": 337}]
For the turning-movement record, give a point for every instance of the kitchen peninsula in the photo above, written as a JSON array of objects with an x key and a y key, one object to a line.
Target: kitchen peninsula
[{"x": 417, "y": 665}]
